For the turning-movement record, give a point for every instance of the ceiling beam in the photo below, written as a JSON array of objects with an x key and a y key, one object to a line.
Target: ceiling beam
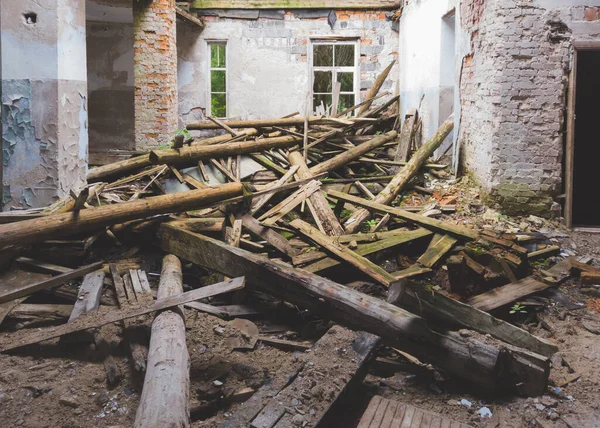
[
  {"x": 186, "y": 16},
  {"x": 295, "y": 4}
]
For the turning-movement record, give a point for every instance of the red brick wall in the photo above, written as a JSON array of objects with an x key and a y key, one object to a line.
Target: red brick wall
[{"x": 155, "y": 72}]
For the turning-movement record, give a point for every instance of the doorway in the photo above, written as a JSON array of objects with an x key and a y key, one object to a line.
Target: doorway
[{"x": 583, "y": 148}]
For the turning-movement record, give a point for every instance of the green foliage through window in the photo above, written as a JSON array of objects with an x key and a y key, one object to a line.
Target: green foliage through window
[{"x": 218, "y": 79}]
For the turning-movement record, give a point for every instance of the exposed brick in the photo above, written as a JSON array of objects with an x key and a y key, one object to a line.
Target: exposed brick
[
  {"x": 590, "y": 13},
  {"x": 155, "y": 72}
]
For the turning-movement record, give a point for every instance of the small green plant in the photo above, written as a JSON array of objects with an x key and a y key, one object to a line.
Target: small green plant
[
  {"x": 518, "y": 309},
  {"x": 183, "y": 132},
  {"x": 372, "y": 223}
]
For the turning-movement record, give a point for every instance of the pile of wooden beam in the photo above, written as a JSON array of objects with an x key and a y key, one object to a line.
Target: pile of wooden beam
[{"x": 305, "y": 226}]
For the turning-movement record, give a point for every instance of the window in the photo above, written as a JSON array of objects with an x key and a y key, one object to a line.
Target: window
[
  {"x": 218, "y": 79},
  {"x": 334, "y": 63}
]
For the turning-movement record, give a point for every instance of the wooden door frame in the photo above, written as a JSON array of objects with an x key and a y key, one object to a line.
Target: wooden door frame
[{"x": 587, "y": 45}]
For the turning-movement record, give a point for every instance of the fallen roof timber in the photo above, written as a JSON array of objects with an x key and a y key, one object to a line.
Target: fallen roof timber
[{"x": 491, "y": 365}]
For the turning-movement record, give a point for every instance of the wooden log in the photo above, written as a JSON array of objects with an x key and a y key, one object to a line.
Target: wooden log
[
  {"x": 507, "y": 293},
  {"x": 403, "y": 178},
  {"x": 323, "y": 211},
  {"x": 364, "y": 265},
  {"x": 61, "y": 225},
  {"x": 377, "y": 84},
  {"x": 269, "y": 235},
  {"x": 260, "y": 123},
  {"x": 496, "y": 367},
  {"x": 353, "y": 153},
  {"x": 24, "y": 338},
  {"x": 430, "y": 304},
  {"x": 25, "y": 290},
  {"x": 119, "y": 168},
  {"x": 430, "y": 223},
  {"x": 205, "y": 224},
  {"x": 41, "y": 311},
  {"x": 191, "y": 154},
  {"x": 165, "y": 395},
  {"x": 135, "y": 330}
]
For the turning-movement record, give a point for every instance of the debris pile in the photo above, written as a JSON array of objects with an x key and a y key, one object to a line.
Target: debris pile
[{"x": 324, "y": 217}]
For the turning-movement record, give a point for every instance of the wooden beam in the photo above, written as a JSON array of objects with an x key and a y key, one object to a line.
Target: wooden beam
[
  {"x": 364, "y": 265},
  {"x": 188, "y": 17},
  {"x": 24, "y": 338},
  {"x": 494, "y": 366},
  {"x": 507, "y": 293},
  {"x": 430, "y": 223},
  {"x": 269, "y": 235},
  {"x": 436, "y": 251},
  {"x": 292, "y": 4}
]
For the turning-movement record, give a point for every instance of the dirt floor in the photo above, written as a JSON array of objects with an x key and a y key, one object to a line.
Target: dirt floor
[{"x": 62, "y": 385}]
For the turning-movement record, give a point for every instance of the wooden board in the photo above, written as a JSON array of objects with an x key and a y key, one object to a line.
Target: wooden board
[
  {"x": 94, "y": 320},
  {"x": 436, "y": 251},
  {"x": 508, "y": 293},
  {"x": 22, "y": 290},
  {"x": 341, "y": 368},
  {"x": 384, "y": 413},
  {"x": 286, "y": 4}
]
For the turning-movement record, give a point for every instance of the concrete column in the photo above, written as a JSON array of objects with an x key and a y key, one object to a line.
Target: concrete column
[
  {"x": 43, "y": 100},
  {"x": 155, "y": 72}
]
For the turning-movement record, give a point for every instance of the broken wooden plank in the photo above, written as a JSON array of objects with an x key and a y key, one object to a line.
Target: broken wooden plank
[
  {"x": 402, "y": 179},
  {"x": 259, "y": 202},
  {"x": 341, "y": 368},
  {"x": 42, "y": 265},
  {"x": 377, "y": 84},
  {"x": 24, "y": 338},
  {"x": 390, "y": 241},
  {"x": 406, "y": 135},
  {"x": 410, "y": 271},
  {"x": 288, "y": 204},
  {"x": 269, "y": 235},
  {"x": 205, "y": 224},
  {"x": 226, "y": 311},
  {"x": 23, "y": 290},
  {"x": 363, "y": 264},
  {"x": 426, "y": 302},
  {"x": 165, "y": 396},
  {"x": 322, "y": 211},
  {"x": 436, "y": 251},
  {"x": 430, "y": 223},
  {"x": 507, "y": 293},
  {"x": 544, "y": 252},
  {"x": 41, "y": 310},
  {"x": 285, "y": 344},
  {"x": 481, "y": 365},
  {"x": 384, "y": 413}
]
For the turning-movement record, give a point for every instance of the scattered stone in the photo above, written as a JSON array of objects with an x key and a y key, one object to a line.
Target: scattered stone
[
  {"x": 217, "y": 383},
  {"x": 591, "y": 326},
  {"x": 219, "y": 330},
  {"x": 69, "y": 401},
  {"x": 298, "y": 420},
  {"x": 554, "y": 416},
  {"x": 548, "y": 401},
  {"x": 540, "y": 406}
]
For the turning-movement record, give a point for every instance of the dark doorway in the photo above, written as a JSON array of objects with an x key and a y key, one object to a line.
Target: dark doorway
[{"x": 586, "y": 150}]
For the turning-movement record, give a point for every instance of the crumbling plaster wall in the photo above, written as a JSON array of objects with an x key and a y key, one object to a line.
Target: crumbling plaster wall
[
  {"x": 110, "y": 76},
  {"x": 44, "y": 100},
  {"x": 429, "y": 73},
  {"x": 513, "y": 91},
  {"x": 268, "y": 68}
]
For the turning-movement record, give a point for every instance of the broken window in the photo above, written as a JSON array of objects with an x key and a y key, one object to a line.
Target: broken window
[
  {"x": 218, "y": 79},
  {"x": 334, "y": 72}
]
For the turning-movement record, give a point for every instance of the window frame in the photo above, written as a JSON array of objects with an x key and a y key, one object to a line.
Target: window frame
[
  {"x": 355, "y": 69},
  {"x": 209, "y": 44}
]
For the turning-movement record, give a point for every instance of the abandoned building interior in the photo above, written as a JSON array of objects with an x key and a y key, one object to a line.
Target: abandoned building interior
[{"x": 276, "y": 213}]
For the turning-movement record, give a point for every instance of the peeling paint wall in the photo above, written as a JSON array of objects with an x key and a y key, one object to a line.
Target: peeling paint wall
[
  {"x": 268, "y": 71},
  {"x": 110, "y": 77},
  {"x": 44, "y": 100}
]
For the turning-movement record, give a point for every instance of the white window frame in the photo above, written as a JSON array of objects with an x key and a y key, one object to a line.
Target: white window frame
[
  {"x": 335, "y": 69},
  {"x": 209, "y": 44}
]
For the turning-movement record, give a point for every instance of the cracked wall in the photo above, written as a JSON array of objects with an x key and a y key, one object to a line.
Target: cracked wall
[
  {"x": 268, "y": 71},
  {"x": 44, "y": 101}
]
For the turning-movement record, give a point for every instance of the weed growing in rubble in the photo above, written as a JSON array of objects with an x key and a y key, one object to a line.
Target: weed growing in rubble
[{"x": 518, "y": 309}]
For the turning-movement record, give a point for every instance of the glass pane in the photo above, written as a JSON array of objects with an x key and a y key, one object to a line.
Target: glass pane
[
  {"x": 217, "y": 81},
  {"x": 346, "y": 101},
  {"x": 217, "y": 55},
  {"x": 344, "y": 55},
  {"x": 218, "y": 105},
  {"x": 347, "y": 81},
  {"x": 322, "y": 98},
  {"x": 322, "y": 55},
  {"x": 323, "y": 81}
]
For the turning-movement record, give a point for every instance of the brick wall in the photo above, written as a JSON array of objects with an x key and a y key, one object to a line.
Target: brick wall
[
  {"x": 155, "y": 72},
  {"x": 268, "y": 68},
  {"x": 513, "y": 91}
]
